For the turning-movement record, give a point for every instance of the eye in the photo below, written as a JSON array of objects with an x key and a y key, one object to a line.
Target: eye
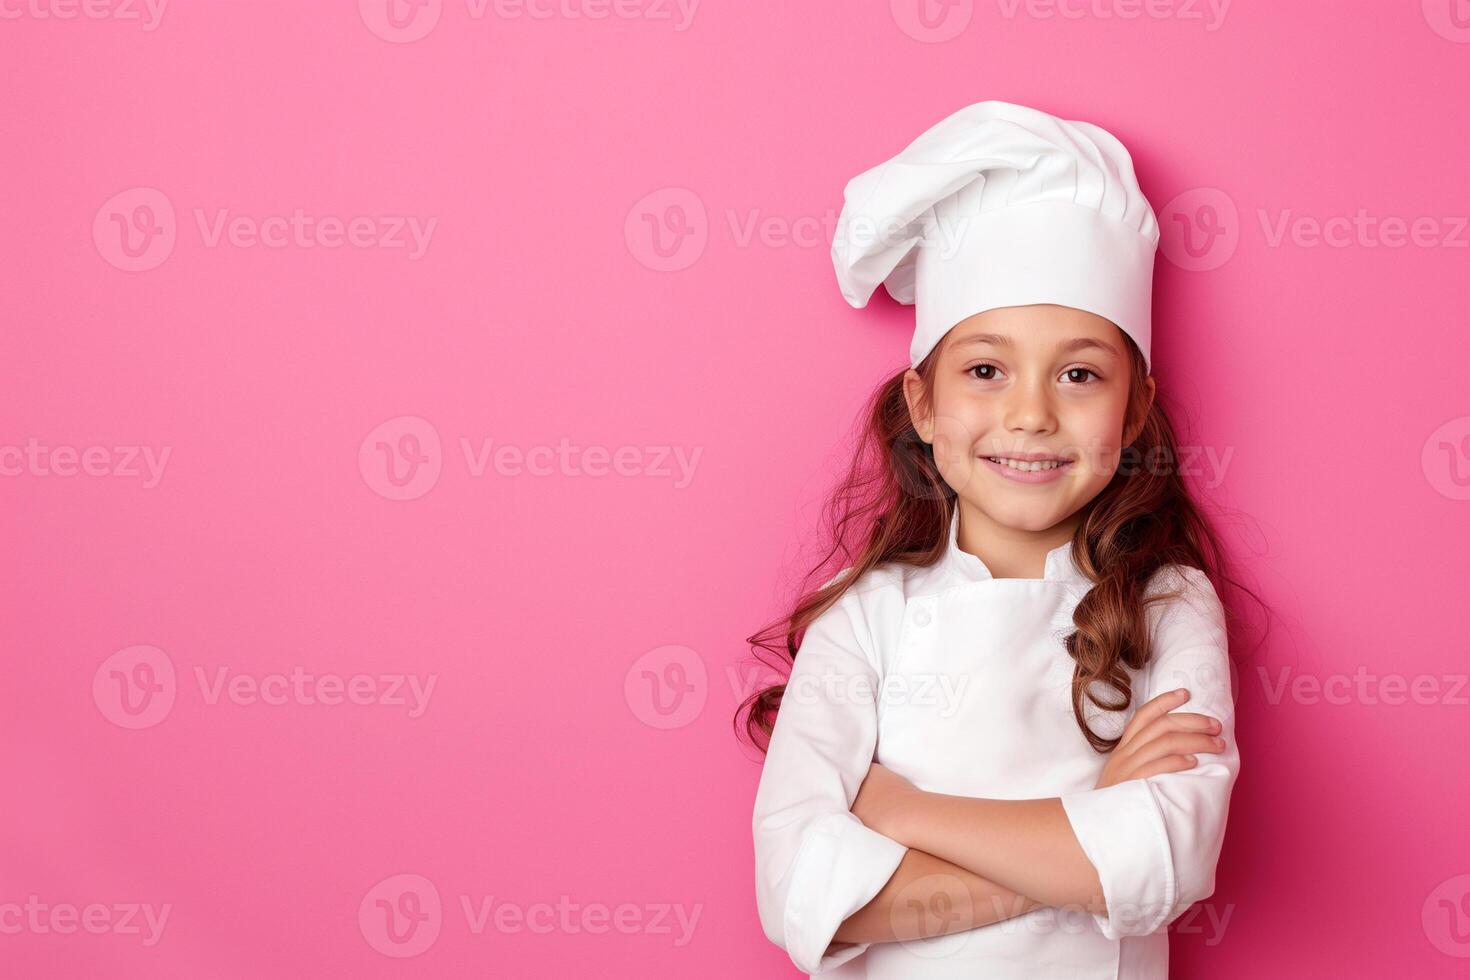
[
  {"x": 980, "y": 367},
  {"x": 1071, "y": 372}
]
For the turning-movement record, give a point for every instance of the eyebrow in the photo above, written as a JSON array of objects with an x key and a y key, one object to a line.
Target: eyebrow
[{"x": 1065, "y": 347}]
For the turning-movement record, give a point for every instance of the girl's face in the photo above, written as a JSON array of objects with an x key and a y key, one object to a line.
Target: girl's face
[{"x": 1028, "y": 381}]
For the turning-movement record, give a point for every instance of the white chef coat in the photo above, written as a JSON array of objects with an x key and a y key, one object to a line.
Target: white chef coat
[{"x": 875, "y": 665}]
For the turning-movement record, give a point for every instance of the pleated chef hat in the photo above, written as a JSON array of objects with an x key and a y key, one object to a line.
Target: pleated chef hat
[{"x": 1001, "y": 205}]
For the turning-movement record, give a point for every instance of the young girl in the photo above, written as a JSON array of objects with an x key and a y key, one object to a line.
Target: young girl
[{"x": 1006, "y": 745}]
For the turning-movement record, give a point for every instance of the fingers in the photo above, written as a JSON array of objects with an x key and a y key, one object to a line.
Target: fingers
[
  {"x": 1169, "y": 763},
  {"x": 1150, "y": 712},
  {"x": 1179, "y": 721},
  {"x": 1173, "y": 743}
]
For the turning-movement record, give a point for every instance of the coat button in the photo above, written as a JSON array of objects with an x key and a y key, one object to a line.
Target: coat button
[{"x": 921, "y": 618}]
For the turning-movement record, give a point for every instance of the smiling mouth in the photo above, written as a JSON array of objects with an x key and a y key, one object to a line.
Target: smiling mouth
[{"x": 1029, "y": 466}]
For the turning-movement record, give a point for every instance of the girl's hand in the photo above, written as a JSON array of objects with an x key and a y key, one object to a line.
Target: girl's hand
[
  {"x": 882, "y": 800},
  {"x": 1157, "y": 740}
]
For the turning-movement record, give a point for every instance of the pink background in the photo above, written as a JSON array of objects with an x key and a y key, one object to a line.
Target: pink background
[{"x": 543, "y": 768}]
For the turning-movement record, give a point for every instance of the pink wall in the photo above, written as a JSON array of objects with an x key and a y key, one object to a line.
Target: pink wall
[{"x": 197, "y": 504}]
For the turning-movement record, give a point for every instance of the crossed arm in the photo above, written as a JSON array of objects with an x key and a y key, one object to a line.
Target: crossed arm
[
  {"x": 989, "y": 860},
  {"x": 846, "y": 856}
]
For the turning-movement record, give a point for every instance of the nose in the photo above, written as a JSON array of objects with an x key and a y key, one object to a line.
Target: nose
[{"x": 1029, "y": 407}]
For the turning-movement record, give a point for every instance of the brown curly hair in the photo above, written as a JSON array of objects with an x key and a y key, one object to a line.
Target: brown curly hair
[{"x": 894, "y": 501}]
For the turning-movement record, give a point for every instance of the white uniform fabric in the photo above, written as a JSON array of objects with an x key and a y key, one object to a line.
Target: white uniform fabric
[
  {"x": 1005, "y": 731},
  {"x": 1001, "y": 205}
]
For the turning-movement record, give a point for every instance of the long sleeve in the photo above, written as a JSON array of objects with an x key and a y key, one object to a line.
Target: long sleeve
[
  {"x": 816, "y": 863},
  {"x": 1155, "y": 841}
]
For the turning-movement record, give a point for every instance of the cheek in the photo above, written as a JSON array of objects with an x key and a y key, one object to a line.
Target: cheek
[
  {"x": 1099, "y": 439},
  {"x": 958, "y": 427},
  {"x": 959, "y": 424}
]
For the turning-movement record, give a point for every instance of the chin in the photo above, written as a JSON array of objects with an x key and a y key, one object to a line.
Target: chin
[
  {"x": 1034, "y": 523},
  {"x": 1022, "y": 517}
]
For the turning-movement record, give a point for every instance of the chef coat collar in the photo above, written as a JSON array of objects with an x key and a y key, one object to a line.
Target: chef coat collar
[{"x": 1059, "y": 564}]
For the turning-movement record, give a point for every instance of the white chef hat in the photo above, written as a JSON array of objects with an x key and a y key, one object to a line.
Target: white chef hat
[{"x": 1001, "y": 205}]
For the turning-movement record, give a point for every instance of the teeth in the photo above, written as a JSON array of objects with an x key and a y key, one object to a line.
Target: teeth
[{"x": 1025, "y": 466}]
